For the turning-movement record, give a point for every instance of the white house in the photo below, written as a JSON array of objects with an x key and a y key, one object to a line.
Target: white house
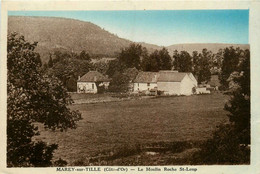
[
  {"x": 145, "y": 81},
  {"x": 170, "y": 82},
  {"x": 88, "y": 82},
  {"x": 176, "y": 83}
]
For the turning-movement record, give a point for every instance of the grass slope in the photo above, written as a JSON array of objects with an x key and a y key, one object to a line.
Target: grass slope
[{"x": 114, "y": 125}]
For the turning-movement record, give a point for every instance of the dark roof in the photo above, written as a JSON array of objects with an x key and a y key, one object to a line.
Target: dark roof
[
  {"x": 161, "y": 76},
  {"x": 93, "y": 76},
  {"x": 146, "y": 77},
  {"x": 171, "y": 76}
]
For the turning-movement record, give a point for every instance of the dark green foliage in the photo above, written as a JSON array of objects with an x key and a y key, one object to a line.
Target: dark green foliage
[
  {"x": 100, "y": 87},
  {"x": 84, "y": 56},
  {"x": 68, "y": 66},
  {"x": 158, "y": 60},
  {"x": 115, "y": 66},
  {"x": 195, "y": 63},
  {"x": 230, "y": 62},
  {"x": 239, "y": 104},
  {"x": 216, "y": 63},
  {"x": 32, "y": 97},
  {"x": 41, "y": 154},
  {"x": 60, "y": 163},
  {"x": 101, "y": 67},
  {"x": 131, "y": 56},
  {"x": 230, "y": 143},
  {"x": 224, "y": 148},
  {"x": 182, "y": 61},
  {"x": 201, "y": 65},
  {"x": 204, "y": 73},
  {"x": 119, "y": 83},
  {"x": 152, "y": 62},
  {"x": 165, "y": 59}
]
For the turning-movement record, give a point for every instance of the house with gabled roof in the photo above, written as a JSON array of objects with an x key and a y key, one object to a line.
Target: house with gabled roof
[
  {"x": 91, "y": 81},
  {"x": 145, "y": 81},
  {"x": 176, "y": 83},
  {"x": 169, "y": 82}
]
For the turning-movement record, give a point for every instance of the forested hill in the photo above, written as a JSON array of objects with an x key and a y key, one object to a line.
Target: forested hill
[
  {"x": 66, "y": 34},
  {"x": 53, "y": 33}
]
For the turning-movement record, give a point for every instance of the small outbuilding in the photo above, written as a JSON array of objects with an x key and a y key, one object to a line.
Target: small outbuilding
[{"x": 91, "y": 82}]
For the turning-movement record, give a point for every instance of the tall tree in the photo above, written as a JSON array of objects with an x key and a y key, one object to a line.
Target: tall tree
[
  {"x": 115, "y": 66},
  {"x": 165, "y": 59},
  {"x": 152, "y": 62},
  {"x": 239, "y": 104},
  {"x": 204, "y": 66},
  {"x": 131, "y": 56},
  {"x": 32, "y": 97},
  {"x": 229, "y": 65},
  {"x": 182, "y": 61},
  {"x": 195, "y": 63},
  {"x": 217, "y": 62}
]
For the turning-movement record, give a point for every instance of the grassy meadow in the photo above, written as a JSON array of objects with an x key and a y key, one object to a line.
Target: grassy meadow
[{"x": 107, "y": 126}]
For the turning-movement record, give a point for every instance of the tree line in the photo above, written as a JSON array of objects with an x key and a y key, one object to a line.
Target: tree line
[{"x": 68, "y": 66}]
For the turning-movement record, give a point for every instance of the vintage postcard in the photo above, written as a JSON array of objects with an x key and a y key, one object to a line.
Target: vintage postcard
[{"x": 130, "y": 87}]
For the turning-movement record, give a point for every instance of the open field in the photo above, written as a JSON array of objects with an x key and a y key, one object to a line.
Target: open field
[{"x": 113, "y": 125}]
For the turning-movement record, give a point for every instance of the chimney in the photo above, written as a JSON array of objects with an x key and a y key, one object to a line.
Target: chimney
[
  {"x": 95, "y": 78},
  {"x": 78, "y": 77}
]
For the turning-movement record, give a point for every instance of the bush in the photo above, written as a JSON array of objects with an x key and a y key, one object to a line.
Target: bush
[{"x": 223, "y": 148}]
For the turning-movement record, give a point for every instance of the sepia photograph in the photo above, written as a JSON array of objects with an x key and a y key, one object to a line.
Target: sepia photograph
[{"x": 128, "y": 88}]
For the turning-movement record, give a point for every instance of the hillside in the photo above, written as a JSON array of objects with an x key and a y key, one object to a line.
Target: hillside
[
  {"x": 66, "y": 34},
  {"x": 54, "y": 33}
]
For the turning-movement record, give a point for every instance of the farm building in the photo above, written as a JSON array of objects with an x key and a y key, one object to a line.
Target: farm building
[
  {"x": 170, "y": 82},
  {"x": 176, "y": 83},
  {"x": 90, "y": 82},
  {"x": 145, "y": 81}
]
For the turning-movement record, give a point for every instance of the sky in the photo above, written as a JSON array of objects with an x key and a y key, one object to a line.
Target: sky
[{"x": 164, "y": 27}]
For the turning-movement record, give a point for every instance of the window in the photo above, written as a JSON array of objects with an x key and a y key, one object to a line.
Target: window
[
  {"x": 148, "y": 84},
  {"x": 93, "y": 86},
  {"x": 138, "y": 84}
]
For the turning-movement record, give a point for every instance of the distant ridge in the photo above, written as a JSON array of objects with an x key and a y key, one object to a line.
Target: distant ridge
[
  {"x": 54, "y": 33},
  {"x": 214, "y": 47}
]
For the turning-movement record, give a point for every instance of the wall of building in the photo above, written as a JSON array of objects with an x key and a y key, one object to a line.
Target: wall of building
[
  {"x": 186, "y": 86},
  {"x": 171, "y": 88},
  {"x": 195, "y": 82},
  {"x": 144, "y": 86},
  {"x": 86, "y": 87}
]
